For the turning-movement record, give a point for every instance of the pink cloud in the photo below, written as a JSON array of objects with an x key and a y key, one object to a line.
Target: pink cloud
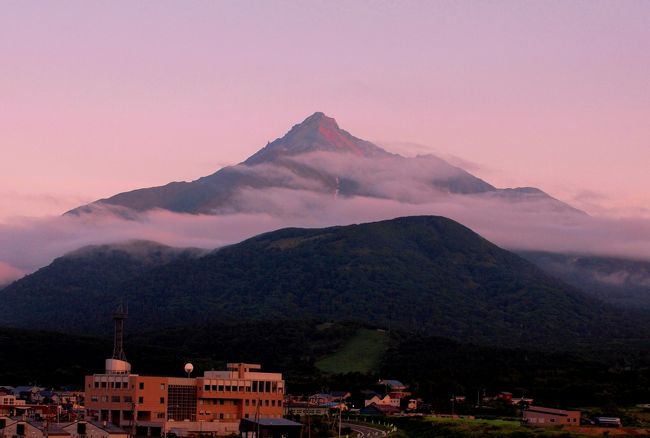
[
  {"x": 9, "y": 273},
  {"x": 29, "y": 244}
]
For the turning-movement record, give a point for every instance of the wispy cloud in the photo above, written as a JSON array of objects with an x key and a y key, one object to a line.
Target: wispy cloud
[
  {"x": 385, "y": 188},
  {"x": 9, "y": 273},
  {"x": 14, "y": 203},
  {"x": 412, "y": 149},
  {"x": 27, "y": 245}
]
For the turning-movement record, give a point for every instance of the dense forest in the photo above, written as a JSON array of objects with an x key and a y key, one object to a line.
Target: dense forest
[
  {"x": 424, "y": 274},
  {"x": 434, "y": 368}
]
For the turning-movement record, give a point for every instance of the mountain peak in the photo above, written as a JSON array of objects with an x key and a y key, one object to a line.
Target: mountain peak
[
  {"x": 319, "y": 119},
  {"x": 317, "y": 132},
  {"x": 318, "y": 123}
]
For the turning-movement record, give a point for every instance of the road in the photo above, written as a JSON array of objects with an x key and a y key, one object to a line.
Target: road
[{"x": 364, "y": 431}]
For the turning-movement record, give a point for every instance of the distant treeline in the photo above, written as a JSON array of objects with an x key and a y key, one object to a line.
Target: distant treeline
[{"x": 435, "y": 368}]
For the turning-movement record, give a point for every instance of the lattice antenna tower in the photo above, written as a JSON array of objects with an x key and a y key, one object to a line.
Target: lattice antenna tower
[{"x": 118, "y": 341}]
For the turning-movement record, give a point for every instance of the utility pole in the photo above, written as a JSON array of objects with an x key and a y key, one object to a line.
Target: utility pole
[
  {"x": 340, "y": 415},
  {"x": 257, "y": 418},
  {"x": 133, "y": 417},
  {"x": 453, "y": 401}
]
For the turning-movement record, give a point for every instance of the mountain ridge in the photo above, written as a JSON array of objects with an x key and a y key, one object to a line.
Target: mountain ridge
[
  {"x": 615, "y": 280},
  {"x": 425, "y": 273},
  {"x": 315, "y": 156}
]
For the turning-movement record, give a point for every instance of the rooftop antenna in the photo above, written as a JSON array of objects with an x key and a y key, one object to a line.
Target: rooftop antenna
[{"x": 118, "y": 341}]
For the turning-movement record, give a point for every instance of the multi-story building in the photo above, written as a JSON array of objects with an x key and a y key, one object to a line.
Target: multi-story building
[
  {"x": 157, "y": 405},
  {"x": 213, "y": 403}
]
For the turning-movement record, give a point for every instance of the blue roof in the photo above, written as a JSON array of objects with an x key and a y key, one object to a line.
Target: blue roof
[{"x": 392, "y": 383}]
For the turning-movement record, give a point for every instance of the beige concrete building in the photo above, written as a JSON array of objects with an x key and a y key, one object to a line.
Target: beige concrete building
[
  {"x": 541, "y": 416},
  {"x": 211, "y": 404}
]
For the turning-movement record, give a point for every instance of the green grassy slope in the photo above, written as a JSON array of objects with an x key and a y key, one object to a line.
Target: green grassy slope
[
  {"x": 434, "y": 368},
  {"x": 360, "y": 354}
]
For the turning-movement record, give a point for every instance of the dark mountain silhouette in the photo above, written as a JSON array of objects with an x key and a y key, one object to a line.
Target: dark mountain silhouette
[{"x": 427, "y": 274}]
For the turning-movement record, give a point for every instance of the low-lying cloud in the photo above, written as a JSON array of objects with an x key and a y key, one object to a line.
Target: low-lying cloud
[
  {"x": 302, "y": 192},
  {"x": 27, "y": 245}
]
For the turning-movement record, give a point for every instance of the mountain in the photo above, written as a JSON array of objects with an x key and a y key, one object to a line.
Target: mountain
[
  {"x": 317, "y": 157},
  {"x": 428, "y": 274},
  {"x": 80, "y": 281},
  {"x": 624, "y": 283},
  {"x": 316, "y": 133}
]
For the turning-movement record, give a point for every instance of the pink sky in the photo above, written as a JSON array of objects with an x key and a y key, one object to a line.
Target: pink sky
[{"x": 102, "y": 97}]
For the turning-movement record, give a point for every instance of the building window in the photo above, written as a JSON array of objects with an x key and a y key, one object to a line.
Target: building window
[
  {"x": 20, "y": 429},
  {"x": 273, "y": 403},
  {"x": 141, "y": 385},
  {"x": 162, "y": 400},
  {"x": 206, "y": 388},
  {"x": 128, "y": 399},
  {"x": 115, "y": 399},
  {"x": 248, "y": 402},
  {"x": 182, "y": 402},
  {"x": 245, "y": 415},
  {"x": 214, "y": 387},
  {"x": 103, "y": 385},
  {"x": 266, "y": 402},
  {"x": 221, "y": 416},
  {"x": 140, "y": 400},
  {"x": 162, "y": 386},
  {"x": 279, "y": 402}
]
